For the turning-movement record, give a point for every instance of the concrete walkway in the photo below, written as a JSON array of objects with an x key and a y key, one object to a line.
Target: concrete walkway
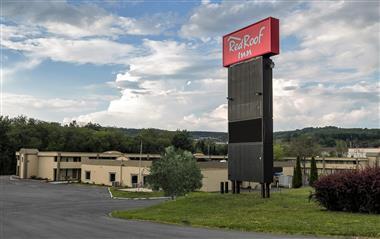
[{"x": 34, "y": 209}]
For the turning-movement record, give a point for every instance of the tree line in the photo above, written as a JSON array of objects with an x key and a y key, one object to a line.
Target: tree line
[{"x": 23, "y": 132}]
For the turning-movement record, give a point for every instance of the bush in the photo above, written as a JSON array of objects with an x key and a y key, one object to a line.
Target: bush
[{"x": 351, "y": 191}]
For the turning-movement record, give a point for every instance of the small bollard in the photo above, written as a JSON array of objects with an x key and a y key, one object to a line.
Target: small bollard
[
  {"x": 221, "y": 187},
  {"x": 226, "y": 187}
]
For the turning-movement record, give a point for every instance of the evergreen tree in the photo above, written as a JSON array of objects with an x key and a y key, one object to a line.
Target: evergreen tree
[
  {"x": 313, "y": 172},
  {"x": 297, "y": 177}
]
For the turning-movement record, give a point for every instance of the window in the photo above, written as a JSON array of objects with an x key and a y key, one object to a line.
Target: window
[
  {"x": 88, "y": 175},
  {"x": 112, "y": 177},
  {"x": 134, "y": 180}
]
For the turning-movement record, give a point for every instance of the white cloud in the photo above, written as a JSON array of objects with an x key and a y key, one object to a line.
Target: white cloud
[
  {"x": 83, "y": 20},
  {"x": 156, "y": 90},
  {"x": 95, "y": 51},
  {"x": 16, "y": 104},
  {"x": 28, "y": 64},
  {"x": 332, "y": 46},
  {"x": 214, "y": 120},
  {"x": 160, "y": 104},
  {"x": 325, "y": 76},
  {"x": 217, "y": 19},
  {"x": 322, "y": 105}
]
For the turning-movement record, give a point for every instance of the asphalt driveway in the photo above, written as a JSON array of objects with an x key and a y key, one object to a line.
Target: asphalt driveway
[{"x": 34, "y": 209}]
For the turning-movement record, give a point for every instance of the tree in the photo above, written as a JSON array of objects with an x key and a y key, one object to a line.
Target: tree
[
  {"x": 7, "y": 156},
  {"x": 313, "y": 172},
  {"x": 297, "y": 176},
  {"x": 177, "y": 173},
  {"x": 278, "y": 151},
  {"x": 182, "y": 140},
  {"x": 341, "y": 148},
  {"x": 305, "y": 146}
]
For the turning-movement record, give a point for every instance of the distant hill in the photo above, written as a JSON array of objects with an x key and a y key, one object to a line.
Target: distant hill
[
  {"x": 217, "y": 136},
  {"x": 326, "y": 136}
]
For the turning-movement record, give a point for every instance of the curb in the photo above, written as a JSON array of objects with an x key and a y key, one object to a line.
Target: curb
[
  {"x": 150, "y": 198},
  {"x": 14, "y": 178}
]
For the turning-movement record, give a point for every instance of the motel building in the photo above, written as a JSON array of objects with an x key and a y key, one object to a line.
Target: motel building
[
  {"x": 114, "y": 168},
  {"x": 109, "y": 168}
]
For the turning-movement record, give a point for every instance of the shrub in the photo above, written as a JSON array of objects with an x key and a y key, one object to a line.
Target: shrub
[{"x": 351, "y": 191}]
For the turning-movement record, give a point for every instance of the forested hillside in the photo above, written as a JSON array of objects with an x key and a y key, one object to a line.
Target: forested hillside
[
  {"x": 328, "y": 136},
  {"x": 22, "y": 132}
]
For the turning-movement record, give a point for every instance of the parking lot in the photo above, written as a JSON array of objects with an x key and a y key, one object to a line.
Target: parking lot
[{"x": 35, "y": 209}]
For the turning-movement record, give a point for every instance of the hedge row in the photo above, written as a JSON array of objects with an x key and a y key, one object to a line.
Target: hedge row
[{"x": 352, "y": 191}]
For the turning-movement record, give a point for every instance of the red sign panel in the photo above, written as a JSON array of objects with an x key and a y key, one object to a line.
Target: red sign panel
[{"x": 261, "y": 38}]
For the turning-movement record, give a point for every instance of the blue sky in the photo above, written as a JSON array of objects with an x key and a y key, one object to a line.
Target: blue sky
[{"x": 158, "y": 63}]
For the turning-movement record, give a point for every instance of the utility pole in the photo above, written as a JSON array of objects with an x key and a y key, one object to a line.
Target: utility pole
[
  {"x": 121, "y": 171},
  {"x": 139, "y": 181},
  {"x": 208, "y": 148},
  {"x": 304, "y": 171}
]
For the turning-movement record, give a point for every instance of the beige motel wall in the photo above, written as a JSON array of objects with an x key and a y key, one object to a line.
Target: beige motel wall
[{"x": 100, "y": 173}]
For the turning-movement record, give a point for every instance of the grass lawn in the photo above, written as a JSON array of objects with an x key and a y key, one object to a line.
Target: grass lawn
[
  {"x": 124, "y": 194},
  {"x": 288, "y": 211}
]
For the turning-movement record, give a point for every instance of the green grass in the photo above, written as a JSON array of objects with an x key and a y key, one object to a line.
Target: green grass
[
  {"x": 288, "y": 211},
  {"x": 124, "y": 194}
]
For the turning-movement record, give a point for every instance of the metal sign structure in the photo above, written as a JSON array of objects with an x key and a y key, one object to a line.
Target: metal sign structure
[
  {"x": 258, "y": 39},
  {"x": 250, "y": 102}
]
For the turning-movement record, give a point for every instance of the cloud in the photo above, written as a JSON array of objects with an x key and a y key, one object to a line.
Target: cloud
[
  {"x": 332, "y": 46},
  {"x": 28, "y": 64},
  {"x": 214, "y": 120},
  {"x": 75, "y": 33},
  {"x": 16, "y": 104},
  {"x": 83, "y": 20},
  {"x": 95, "y": 51},
  {"x": 155, "y": 90},
  {"x": 162, "y": 105},
  {"x": 326, "y": 74},
  {"x": 211, "y": 20},
  {"x": 322, "y": 105},
  {"x": 329, "y": 76},
  {"x": 170, "y": 59}
]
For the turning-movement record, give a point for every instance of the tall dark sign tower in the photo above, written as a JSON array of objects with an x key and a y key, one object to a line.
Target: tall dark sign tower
[{"x": 246, "y": 53}]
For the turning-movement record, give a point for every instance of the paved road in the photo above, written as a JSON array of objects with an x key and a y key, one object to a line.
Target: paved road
[{"x": 33, "y": 209}]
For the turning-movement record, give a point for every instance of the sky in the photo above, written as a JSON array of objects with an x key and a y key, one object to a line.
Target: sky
[{"x": 158, "y": 64}]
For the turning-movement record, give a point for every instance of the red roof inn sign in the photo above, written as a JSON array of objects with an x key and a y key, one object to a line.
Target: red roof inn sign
[{"x": 261, "y": 38}]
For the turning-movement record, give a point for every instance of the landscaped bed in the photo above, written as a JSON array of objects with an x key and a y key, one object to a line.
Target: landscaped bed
[
  {"x": 125, "y": 194},
  {"x": 289, "y": 211}
]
